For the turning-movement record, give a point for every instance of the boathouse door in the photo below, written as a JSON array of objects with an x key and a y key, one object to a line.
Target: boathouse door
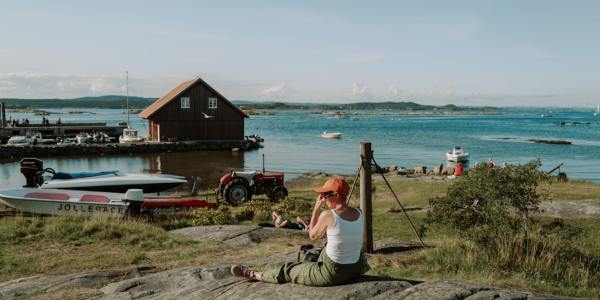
[{"x": 154, "y": 131}]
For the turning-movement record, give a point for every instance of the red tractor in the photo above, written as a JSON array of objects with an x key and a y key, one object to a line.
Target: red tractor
[{"x": 239, "y": 186}]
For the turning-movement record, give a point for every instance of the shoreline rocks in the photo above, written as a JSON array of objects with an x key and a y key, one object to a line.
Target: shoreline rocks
[{"x": 554, "y": 142}]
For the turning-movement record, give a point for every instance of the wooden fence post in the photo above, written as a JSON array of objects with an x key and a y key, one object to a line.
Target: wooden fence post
[{"x": 365, "y": 195}]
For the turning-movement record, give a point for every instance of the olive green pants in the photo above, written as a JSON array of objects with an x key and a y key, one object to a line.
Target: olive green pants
[{"x": 324, "y": 272}]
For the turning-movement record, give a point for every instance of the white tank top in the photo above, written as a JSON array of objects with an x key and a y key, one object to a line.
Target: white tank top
[{"x": 344, "y": 239}]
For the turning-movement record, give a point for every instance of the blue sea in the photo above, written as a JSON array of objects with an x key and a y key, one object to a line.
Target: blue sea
[{"x": 293, "y": 143}]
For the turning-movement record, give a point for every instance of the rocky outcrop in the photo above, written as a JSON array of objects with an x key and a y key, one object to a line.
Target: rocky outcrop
[
  {"x": 42, "y": 284},
  {"x": 215, "y": 282},
  {"x": 588, "y": 208},
  {"x": 237, "y": 235}
]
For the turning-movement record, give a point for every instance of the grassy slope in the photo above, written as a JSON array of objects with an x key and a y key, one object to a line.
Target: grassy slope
[{"x": 76, "y": 244}]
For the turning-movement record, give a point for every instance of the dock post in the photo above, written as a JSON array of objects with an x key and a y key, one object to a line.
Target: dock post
[
  {"x": 366, "y": 204},
  {"x": 2, "y": 115}
]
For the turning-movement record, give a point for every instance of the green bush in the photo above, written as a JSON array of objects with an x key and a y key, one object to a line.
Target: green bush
[
  {"x": 295, "y": 206},
  {"x": 493, "y": 198},
  {"x": 490, "y": 208},
  {"x": 245, "y": 213},
  {"x": 220, "y": 216},
  {"x": 261, "y": 209}
]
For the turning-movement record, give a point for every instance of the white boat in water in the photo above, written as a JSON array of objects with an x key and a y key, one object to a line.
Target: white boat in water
[
  {"x": 457, "y": 155},
  {"x": 130, "y": 134},
  {"x": 597, "y": 112},
  {"x": 105, "y": 181},
  {"x": 63, "y": 202},
  {"x": 331, "y": 135},
  {"x": 25, "y": 140}
]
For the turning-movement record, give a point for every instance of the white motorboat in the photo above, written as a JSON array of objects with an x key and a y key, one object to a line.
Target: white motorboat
[
  {"x": 20, "y": 140},
  {"x": 457, "y": 155},
  {"x": 25, "y": 140},
  {"x": 331, "y": 135},
  {"x": 62, "y": 202},
  {"x": 130, "y": 135},
  {"x": 106, "y": 181}
]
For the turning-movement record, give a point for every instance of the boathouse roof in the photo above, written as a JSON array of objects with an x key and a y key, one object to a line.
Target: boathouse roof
[{"x": 178, "y": 90}]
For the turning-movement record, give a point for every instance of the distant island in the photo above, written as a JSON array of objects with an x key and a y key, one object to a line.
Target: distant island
[
  {"x": 118, "y": 102},
  {"x": 415, "y": 108},
  {"x": 110, "y": 101}
]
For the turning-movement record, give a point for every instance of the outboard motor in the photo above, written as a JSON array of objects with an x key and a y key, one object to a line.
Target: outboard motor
[
  {"x": 32, "y": 169},
  {"x": 135, "y": 198}
]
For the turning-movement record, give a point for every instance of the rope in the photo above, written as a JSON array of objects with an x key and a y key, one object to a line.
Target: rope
[
  {"x": 353, "y": 184},
  {"x": 397, "y": 200}
]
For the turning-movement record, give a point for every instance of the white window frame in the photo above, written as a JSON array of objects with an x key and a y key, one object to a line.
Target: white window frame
[
  {"x": 212, "y": 103},
  {"x": 185, "y": 102}
]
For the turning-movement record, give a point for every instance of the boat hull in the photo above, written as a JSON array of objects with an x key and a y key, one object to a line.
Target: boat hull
[
  {"x": 149, "y": 183},
  {"x": 331, "y": 135},
  {"x": 115, "y": 188},
  {"x": 53, "y": 207}
]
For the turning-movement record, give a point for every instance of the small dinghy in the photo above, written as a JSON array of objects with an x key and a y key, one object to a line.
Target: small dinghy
[
  {"x": 105, "y": 181},
  {"x": 331, "y": 135},
  {"x": 63, "y": 202},
  {"x": 85, "y": 203}
]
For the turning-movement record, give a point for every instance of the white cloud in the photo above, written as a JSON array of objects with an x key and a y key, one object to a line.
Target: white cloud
[
  {"x": 276, "y": 91},
  {"x": 40, "y": 85},
  {"x": 360, "y": 91},
  {"x": 393, "y": 91}
]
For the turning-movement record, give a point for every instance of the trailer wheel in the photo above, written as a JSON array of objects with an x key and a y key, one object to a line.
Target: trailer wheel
[
  {"x": 278, "y": 193},
  {"x": 236, "y": 192}
]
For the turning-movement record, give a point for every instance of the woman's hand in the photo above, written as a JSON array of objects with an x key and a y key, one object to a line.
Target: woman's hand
[{"x": 320, "y": 201}]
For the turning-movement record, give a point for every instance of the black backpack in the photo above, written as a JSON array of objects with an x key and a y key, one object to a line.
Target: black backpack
[{"x": 309, "y": 253}]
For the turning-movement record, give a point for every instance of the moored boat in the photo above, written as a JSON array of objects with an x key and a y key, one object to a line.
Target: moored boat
[
  {"x": 458, "y": 155},
  {"x": 130, "y": 135},
  {"x": 331, "y": 135},
  {"x": 105, "y": 181}
]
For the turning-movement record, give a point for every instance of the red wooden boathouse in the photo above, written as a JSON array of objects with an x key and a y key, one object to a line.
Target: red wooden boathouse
[{"x": 194, "y": 111}]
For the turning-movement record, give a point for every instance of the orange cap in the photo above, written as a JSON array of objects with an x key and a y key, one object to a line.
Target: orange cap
[{"x": 336, "y": 185}]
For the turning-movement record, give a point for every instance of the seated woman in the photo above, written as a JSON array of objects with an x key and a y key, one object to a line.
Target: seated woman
[
  {"x": 342, "y": 258},
  {"x": 280, "y": 222}
]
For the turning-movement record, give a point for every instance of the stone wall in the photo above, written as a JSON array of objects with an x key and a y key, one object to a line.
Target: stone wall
[{"x": 7, "y": 151}]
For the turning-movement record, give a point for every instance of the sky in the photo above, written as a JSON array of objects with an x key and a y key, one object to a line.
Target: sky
[{"x": 501, "y": 53}]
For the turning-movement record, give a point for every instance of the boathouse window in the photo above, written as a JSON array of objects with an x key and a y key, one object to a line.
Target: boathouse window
[
  {"x": 185, "y": 102},
  {"x": 212, "y": 103}
]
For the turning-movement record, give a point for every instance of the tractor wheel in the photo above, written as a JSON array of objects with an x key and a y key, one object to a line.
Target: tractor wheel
[
  {"x": 237, "y": 191},
  {"x": 278, "y": 193}
]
